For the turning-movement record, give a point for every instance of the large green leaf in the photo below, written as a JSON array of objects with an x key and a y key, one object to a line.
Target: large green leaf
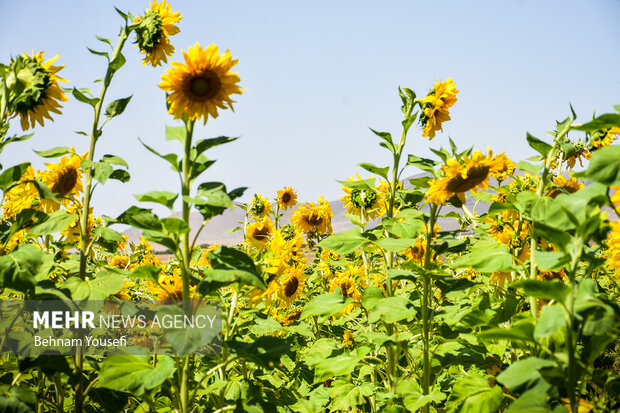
[
  {"x": 345, "y": 396},
  {"x": 325, "y": 305},
  {"x": 345, "y": 242},
  {"x": 98, "y": 288},
  {"x": 473, "y": 394},
  {"x": 12, "y": 175},
  {"x": 160, "y": 197},
  {"x": 230, "y": 265},
  {"x": 55, "y": 222},
  {"x": 523, "y": 371},
  {"x": 487, "y": 255},
  {"x": 604, "y": 166},
  {"x": 547, "y": 290},
  {"x": 264, "y": 351},
  {"x": 391, "y": 309},
  {"x": 135, "y": 374},
  {"x": 552, "y": 319},
  {"x": 19, "y": 269}
]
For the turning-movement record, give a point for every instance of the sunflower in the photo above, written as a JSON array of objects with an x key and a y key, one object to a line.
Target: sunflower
[
  {"x": 562, "y": 185},
  {"x": 615, "y": 198},
  {"x": 314, "y": 218},
  {"x": 63, "y": 178},
  {"x": 260, "y": 206},
  {"x": 35, "y": 92},
  {"x": 153, "y": 30},
  {"x": 21, "y": 196},
  {"x": 347, "y": 339},
  {"x": 459, "y": 179},
  {"x": 613, "y": 249},
  {"x": 72, "y": 231},
  {"x": 259, "y": 233},
  {"x": 370, "y": 201},
  {"x": 201, "y": 85},
  {"x": 291, "y": 285},
  {"x": 436, "y": 107},
  {"x": 581, "y": 153},
  {"x": 503, "y": 167},
  {"x": 119, "y": 261},
  {"x": 348, "y": 285},
  {"x": 170, "y": 287},
  {"x": 287, "y": 198}
]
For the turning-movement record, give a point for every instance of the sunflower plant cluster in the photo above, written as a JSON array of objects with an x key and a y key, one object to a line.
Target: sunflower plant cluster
[{"x": 467, "y": 282}]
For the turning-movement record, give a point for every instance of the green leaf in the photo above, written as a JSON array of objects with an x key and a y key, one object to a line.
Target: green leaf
[
  {"x": 147, "y": 272},
  {"x": 427, "y": 165},
  {"x": 118, "y": 62},
  {"x": 345, "y": 242},
  {"x": 371, "y": 296},
  {"x": 346, "y": 396},
  {"x": 528, "y": 167},
  {"x": 488, "y": 256},
  {"x": 551, "y": 260},
  {"x": 54, "y": 152},
  {"x": 382, "y": 172},
  {"x": 230, "y": 266},
  {"x": 605, "y": 121},
  {"x": 395, "y": 244},
  {"x": 539, "y": 146},
  {"x": 521, "y": 331},
  {"x": 206, "y": 144},
  {"x": 174, "y": 226},
  {"x": 547, "y": 290},
  {"x": 160, "y": 197},
  {"x": 391, "y": 309},
  {"x": 523, "y": 371},
  {"x": 135, "y": 374},
  {"x": 264, "y": 351},
  {"x": 12, "y": 175},
  {"x": 407, "y": 223},
  {"x": 171, "y": 158},
  {"x": 55, "y": 222},
  {"x": 120, "y": 175},
  {"x": 604, "y": 166},
  {"x": 473, "y": 394},
  {"x": 18, "y": 269},
  {"x": 100, "y": 287},
  {"x": 551, "y": 320},
  {"x": 102, "y": 171},
  {"x": 534, "y": 400},
  {"x": 176, "y": 132},
  {"x": 117, "y": 107},
  {"x": 325, "y": 305},
  {"x": 339, "y": 365},
  {"x": 95, "y": 52},
  {"x": 80, "y": 94}
]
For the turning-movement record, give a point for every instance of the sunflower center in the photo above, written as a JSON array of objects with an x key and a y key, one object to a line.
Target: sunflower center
[
  {"x": 205, "y": 85},
  {"x": 286, "y": 197},
  {"x": 344, "y": 289},
  {"x": 315, "y": 220},
  {"x": 261, "y": 234},
  {"x": 475, "y": 176},
  {"x": 291, "y": 287},
  {"x": 66, "y": 181}
]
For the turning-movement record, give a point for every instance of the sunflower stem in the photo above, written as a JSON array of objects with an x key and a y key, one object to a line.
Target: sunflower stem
[
  {"x": 551, "y": 156},
  {"x": 88, "y": 187}
]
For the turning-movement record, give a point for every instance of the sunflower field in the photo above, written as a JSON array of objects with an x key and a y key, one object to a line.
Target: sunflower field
[{"x": 469, "y": 282}]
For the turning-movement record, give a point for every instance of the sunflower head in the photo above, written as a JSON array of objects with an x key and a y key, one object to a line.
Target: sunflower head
[
  {"x": 153, "y": 31},
  {"x": 292, "y": 284},
  {"x": 203, "y": 84},
  {"x": 259, "y": 233},
  {"x": 314, "y": 219},
  {"x": 287, "y": 198},
  {"x": 436, "y": 105},
  {"x": 260, "y": 206},
  {"x": 33, "y": 89},
  {"x": 64, "y": 178}
]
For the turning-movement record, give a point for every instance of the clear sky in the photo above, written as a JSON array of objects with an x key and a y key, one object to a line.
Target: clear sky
[{"x": 319, "y": 73}]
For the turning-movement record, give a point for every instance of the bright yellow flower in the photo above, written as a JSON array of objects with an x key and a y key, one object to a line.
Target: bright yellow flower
[
  {"x": 562, "y": 185},
  {"x": 291, "y": 285},
  {"x": 503, "y": 167},
  {"x": 436, "y": 107},
  {"x": 287, "y": 198},
  {"x": 347, "y": 339},
  {"x": 615, "y": 198},
  {"x": 170, "y": 287},
  {"x": 259, "y": 233},
  {"x": 370, "y": 201},
  {"x": 201, "y": 85},
  {"x": 119, "y": 261},
  {"x": 314, "y": 218},
  {"x": 153, "y": 31},
  {"x": 457, "y": 179},
  {"x": 63, "y": 178},
  {"x": 613, "y": 249},
  {"x": 39, "y": 93},
  {"x": 21, "y": 196}
]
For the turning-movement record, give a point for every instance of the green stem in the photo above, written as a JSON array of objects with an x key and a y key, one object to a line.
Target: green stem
[
  {"x": 426, "y": 321},
  {"x": 570, "y": 330},
  {"x": 185, "y": 191}
]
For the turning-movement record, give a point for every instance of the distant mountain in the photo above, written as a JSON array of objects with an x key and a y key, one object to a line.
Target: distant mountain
[{"x": 217, "y": 229}]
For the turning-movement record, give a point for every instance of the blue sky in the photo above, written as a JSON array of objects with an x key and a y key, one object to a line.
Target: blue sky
[{"x": 320, "y": 73}]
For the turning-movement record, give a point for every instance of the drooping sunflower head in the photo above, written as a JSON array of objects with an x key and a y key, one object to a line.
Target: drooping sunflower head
[
  {"x": 203, "y": 84},
  {"x": 604, "y": 138},
  {"x": 287, "y": 198},
  {"x": 260, "y": 206},
  {"x": 153, "y": 31},
  {"x": 563, "y": 185},
  {"x": 259, "y": 233},
  {"x": 312, "y": 218},
  {"x": 436, "y": 105},
  {"x": 33, "y": 89},
  {"x": 502, "y": 167}
]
